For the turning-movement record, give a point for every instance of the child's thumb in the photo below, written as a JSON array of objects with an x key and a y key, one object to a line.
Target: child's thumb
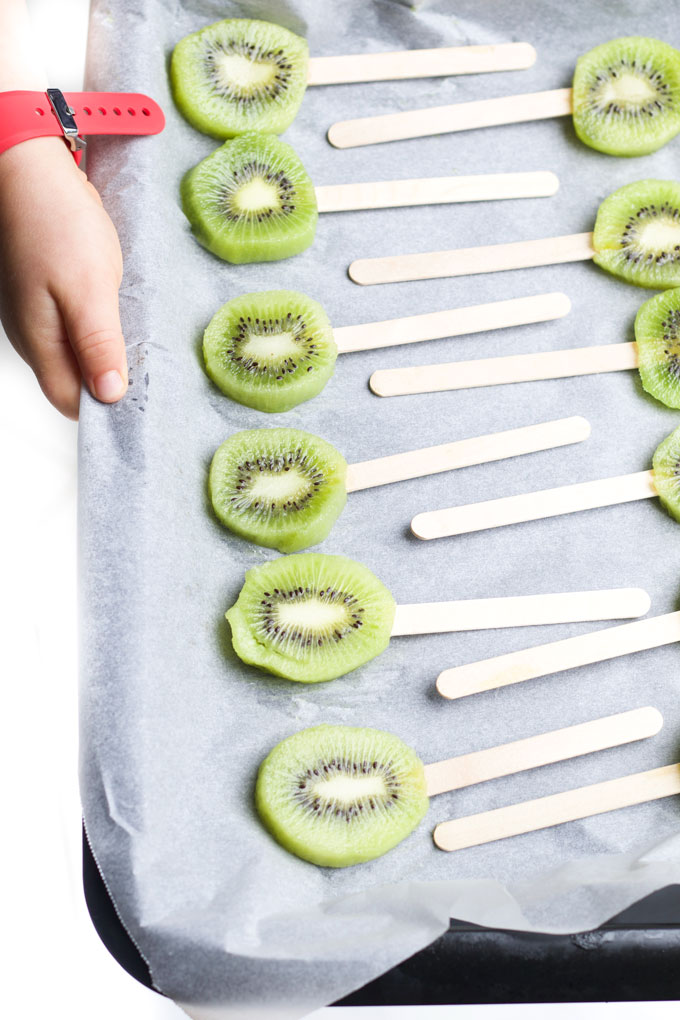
[{"x": 92, "y": 321}]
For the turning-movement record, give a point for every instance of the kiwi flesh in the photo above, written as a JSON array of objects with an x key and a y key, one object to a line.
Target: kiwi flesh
[
  {"x": 270, "y": 350},
  {"x": 311, "y": 617},
  {"x": 666, "y": 467},
  {"x": 637, "y": 233},
  {"x": 251, "y": 200},
  {"x": 239, "y": 75},
  {"x": 626, "y": 96},
  {"x": 657, "y": 335},
  {"x": 282, "y": 488},
  {"x": 341, "y": 795}
]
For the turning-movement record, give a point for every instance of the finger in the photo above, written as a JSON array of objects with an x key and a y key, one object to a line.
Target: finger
[
  {"x": 92, "y": 321},
  {"x": 52, "y": 359}
]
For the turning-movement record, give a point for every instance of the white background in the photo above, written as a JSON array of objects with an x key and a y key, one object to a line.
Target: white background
[{"x": 53, "y": 961}]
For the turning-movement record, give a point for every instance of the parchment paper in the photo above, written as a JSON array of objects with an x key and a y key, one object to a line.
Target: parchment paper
[{"x": 173, "y": 725}]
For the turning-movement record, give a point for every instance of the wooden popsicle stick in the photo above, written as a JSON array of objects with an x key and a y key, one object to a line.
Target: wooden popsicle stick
[
  {"x": 545, "y": 749},
  {"x": 439, "y": 120},
  {"x": 494, "y": 258},
  {"x": 431, "y": 63},
  {"x": 435, "y": 191},
  {"x": 544, "y": 660},
  {"x": 465, "y": 452},
  {"x": 531, "y": 815},
  {"x": 461, "y": 375},
  {"x": 453, "y": 322},
  {"x": 567, "y": 499},
  {"x": 519, "y": 611}
]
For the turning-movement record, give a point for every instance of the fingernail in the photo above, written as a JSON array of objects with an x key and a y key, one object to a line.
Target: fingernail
[{"x": 109, "y": 386}]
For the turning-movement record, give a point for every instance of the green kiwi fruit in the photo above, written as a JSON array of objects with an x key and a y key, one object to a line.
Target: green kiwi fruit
[
  {"x": 251, "y": 200},
  {"x": 311, "y": 617},
  {"x": 637, "y": 233},
  {"x": 270, "y": 350},
  {"x": 282, "y": 488},
  {"x": 657, "y": 334},
  {"x": 666, "y": 467},
  {"x": 239, "y": 75},
  {"x": 341, "y": 795},
  {"x": 626, "y": 96}
]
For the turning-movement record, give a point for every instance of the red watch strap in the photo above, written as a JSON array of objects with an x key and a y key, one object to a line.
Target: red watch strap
[{"x": 25, "y": 115}]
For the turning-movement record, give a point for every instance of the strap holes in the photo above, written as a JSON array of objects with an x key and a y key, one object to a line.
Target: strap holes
[
  {"x": 102, "y": 111},
  {"x": 147, "y": 113},
  {"x": 131, "y": 111},
  {"x": 116, "y": 111},
  {"x": 87, "y": 111},
  {"x": 39, "y": 111}
]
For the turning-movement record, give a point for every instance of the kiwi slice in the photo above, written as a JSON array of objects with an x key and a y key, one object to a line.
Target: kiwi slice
[
  {"x": 251, "y": 200},
  {"x": 311, "y": 617},
  {"x": 626, "y": 98},
  {"x": 666, "y": 466},
  {"x": 657, "y": 334},
  {"x": 270, "y": 350},
  {"x": 637, "y": 233},
  {"x": 239, "y": 75},
  {"x": 282, "y": 488},
  {"x": 341, "y": 795}
]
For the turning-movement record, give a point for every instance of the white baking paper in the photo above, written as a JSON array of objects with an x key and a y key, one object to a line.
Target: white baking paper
[{"x": 173, "y": 725}]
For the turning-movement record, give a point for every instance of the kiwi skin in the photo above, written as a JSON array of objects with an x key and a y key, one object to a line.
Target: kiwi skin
[{"x": 340, "y": 840}]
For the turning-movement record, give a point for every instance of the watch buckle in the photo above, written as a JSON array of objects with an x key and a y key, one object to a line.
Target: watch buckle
[{"x": 65, "y": 115}]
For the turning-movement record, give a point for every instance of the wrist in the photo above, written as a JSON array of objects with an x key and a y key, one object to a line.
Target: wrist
[{"x": 35, "y": 155}]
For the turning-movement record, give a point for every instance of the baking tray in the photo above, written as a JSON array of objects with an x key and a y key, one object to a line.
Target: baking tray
[{"x": 633, "y": 957}]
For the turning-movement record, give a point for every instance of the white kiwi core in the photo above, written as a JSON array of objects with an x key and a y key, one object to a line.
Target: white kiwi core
[
  {"x": 272, "y": 347},
  {"x": 348, "y": 789},
  {"x": 658, "y": 235},
  {"x": 256, "y": 195},
  {"x": 627, "y": 89},
  {"x": 278, "y": 487},
  {"x": 233, "y": 70},
  {"x": 312, "y": 615}
]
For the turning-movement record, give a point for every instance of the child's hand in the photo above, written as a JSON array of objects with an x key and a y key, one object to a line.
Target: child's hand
[{"x": 60, "y": 270}]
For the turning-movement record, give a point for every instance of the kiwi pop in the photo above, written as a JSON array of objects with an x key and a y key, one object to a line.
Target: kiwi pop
[
  {"x": 271, "y": 350},
  {"x": 625, "y": 101},
  {"x": 285, "y": 488},
  {"x": 656, "y": 353},
  {"x": 310, "y": 617},
  {"x": 342, "y": 795},
  {"x": 636, "y": 238},
  {"x": 241, "y": 74},
  {"x": 662, "y": 481},
  {"x": 252, "y": 200}
]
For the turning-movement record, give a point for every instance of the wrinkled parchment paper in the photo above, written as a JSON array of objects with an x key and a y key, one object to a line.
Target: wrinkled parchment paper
[{"x": 173, "y": 725}]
